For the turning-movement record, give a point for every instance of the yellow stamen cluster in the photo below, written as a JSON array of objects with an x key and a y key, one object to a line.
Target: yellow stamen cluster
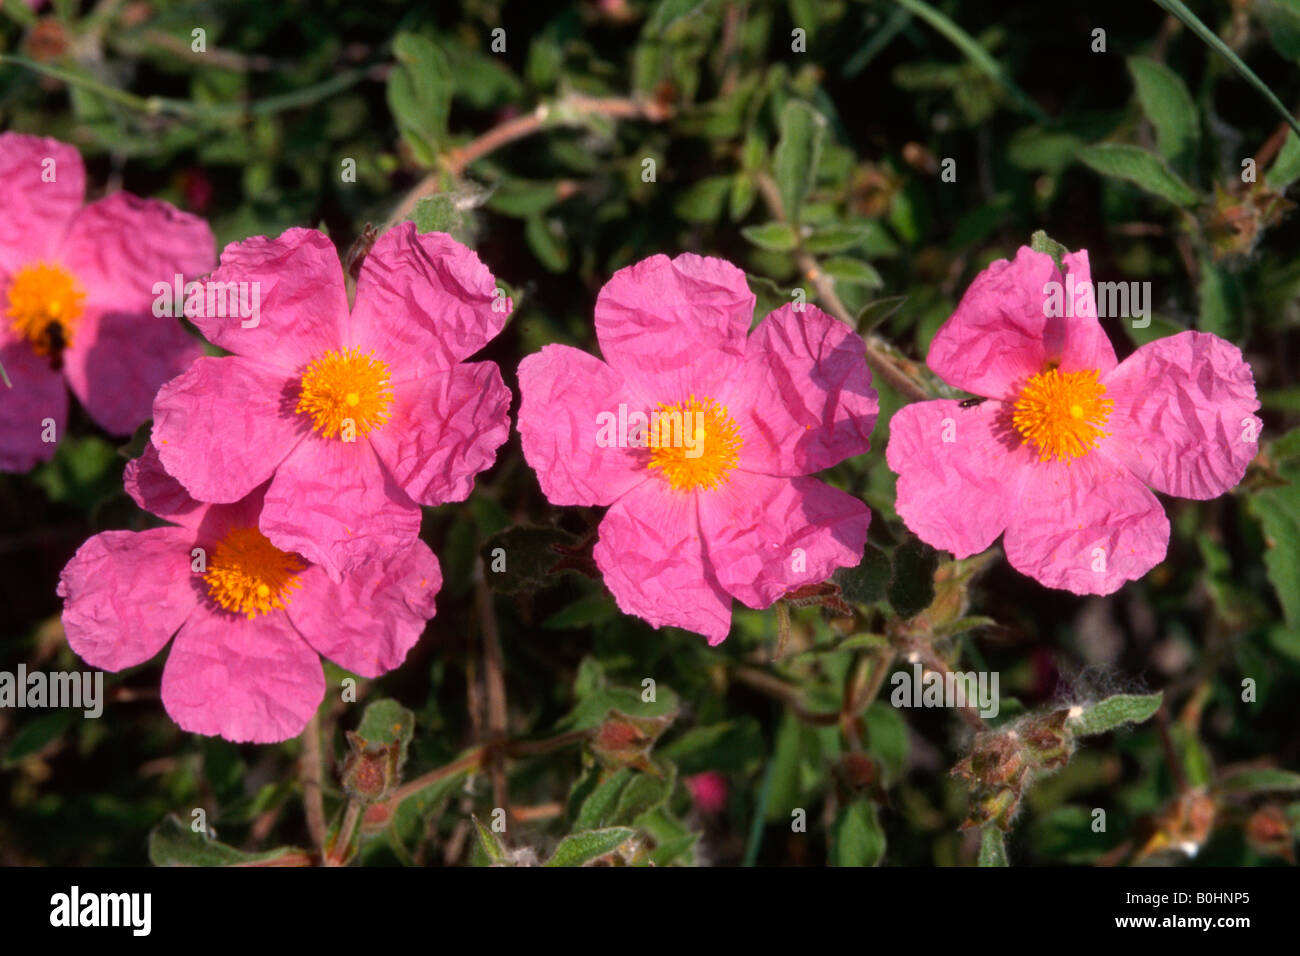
[
  {"x": 248, "y": 575},
  {"x": 1062, "y": 413},
  {"x": 704, "y": 459},
  {"x": 45, "y": 303},
  {"x": 343, "y": 387}
]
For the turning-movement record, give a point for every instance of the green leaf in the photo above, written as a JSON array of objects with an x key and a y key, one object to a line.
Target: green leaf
[
  {"x": 853, "y": 272},
  {"x": 1255, "y": 781},
  {"x": 1168, "y": 106},
  {"x": 36, "y": 734},
  {"x": 887, "y": 739},
  {"x": 731, "y": 746},
  {"x": 874, "y": 313},
  {"x": 172, "y": 843},
  {"x": 1286, "y": 167},
  {"x": 704, "y": 200},
  {"x": 491, "y": 843},
  {"x": 419, "y": 94},
  {"x": 545, "y": 238},
  {"x": 1040, "y": 241},
  {"x": 837, "y": 238},
  {"x": 1115, "y": 711},
  {"x": 598, "y": 809},
  {"x": 587, "y": 611},
  {"x": 993, "y": 847},
  {"x": 1145, "y": 170},
  {"x": 579, "y": 848},
  {"x": 867, "y": 581},
  {"x": 857, "y": 838},
  {"x": 436, "y": 214},
  {"x": 1221, "y": 301},
  {"x": 385, "y": 721},
  {"x": 773, "y": 236},
  {"x": 643, "y": 793},
  {"x": 1278, "y": 512},
  {"x": 911, "y": 587},
  {"x": 794, "y": 163}
]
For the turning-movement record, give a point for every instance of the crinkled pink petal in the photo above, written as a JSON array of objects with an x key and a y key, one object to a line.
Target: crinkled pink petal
[
  {"x": 765, "y": 536},
  {"x": 252, "y": 681},
  {"x": 959, "y": 471},
  {"x": 157, "y": 492},
  {"x": 424, "y": 302},
  {"x": 334, "y": 503},
  {"x": 223, "y": 426},
  {"x": 1001, "y": 335},
  {"x": 119, "y": 360},
  {"x": 302, "y": 304},
  {"x": 38, "y": 393},
  {"x": 675, "y": 327},
  {"x": 443, "y": 430},
  {"x": 651, "y": 556},
  {"x": 35, "y": 214},
  {"x": 564, "y": 393},
  {"x": 125, "y": 593},
  {"x": 804, "y": 401},
  {"x": 1086, "y": 527},
  {"x": 121, "y": 246},
  {"x": 368, "y": 622},
  {"x": 1184, "y": 416}
]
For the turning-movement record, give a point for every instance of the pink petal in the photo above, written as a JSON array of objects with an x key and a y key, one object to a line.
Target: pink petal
[
  {"x": 125, "y": 593},
  {"x": 957, "y": 495},
  {"x": 368, "y": 622},
  {"x": 564, "y": 391},
  {"x": 805, "y": 401},
  {"x": 424, "y": 302},
  {"x": 675, "y": 327},
  {"x": 36, "y": 214},
  {"x": 333, "y": 502},
  {"x": 1085, "y": 527},
  {"x": 159, "y": 493},
  {"x": 248, "y": 681},
  {"x": 1184, "y": 417},
  {"x": 302, "y": 303},
  {"x": 443, "y": 430},
  {"x": 122, "y": 245},
  {"x": 37, "y": 394},
  {"x": 119, "y": 360},
  {"x": 1000, "y": 334},
  {"x": 652, "y": 558},
  {"x": 765, "y": 536},
  {"x": 223, "y": 426}
]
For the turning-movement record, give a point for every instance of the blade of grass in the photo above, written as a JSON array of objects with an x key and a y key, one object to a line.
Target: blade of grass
[
  {"x": 974, "y": 52},
  {"x": 1212, "y": 40}
]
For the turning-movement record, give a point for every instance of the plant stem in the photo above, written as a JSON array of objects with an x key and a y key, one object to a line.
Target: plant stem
[
  {"x": 572, "y": 110},
  {"x": 880, "y": 363},
  {"x": 309, "y": 775}
]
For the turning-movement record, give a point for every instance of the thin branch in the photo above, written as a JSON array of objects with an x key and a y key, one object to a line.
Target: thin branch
[
  {"x": 309, "y": 775},
  {"x": 572, "y": 110},
  {"x": 880, "y": 363}
]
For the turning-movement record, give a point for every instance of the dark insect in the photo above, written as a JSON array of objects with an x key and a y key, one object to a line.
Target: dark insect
[
  {"x": 56, "y": 342},
  {"x": 972, "y": 402}
]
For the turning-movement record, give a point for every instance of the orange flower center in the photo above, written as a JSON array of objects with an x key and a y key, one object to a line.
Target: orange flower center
[
  {"x": 345, "y": 392},
  {"x": 1062, "y": 413},
  {"x": 45, "y": 306},
  {"x": 694, "y": 444},
  {"x": 249, "y": 575}
]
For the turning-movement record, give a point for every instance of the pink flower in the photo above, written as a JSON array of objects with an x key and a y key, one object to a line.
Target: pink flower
[
  {"x": 76, "y": 298},
  {"x": 689, "y": 527},
  {"x": 1062, "y": 455},
  {"x": 250, "y": 620},
  {"x": 355, "y": 419},
  {"x": 708, "y": 792}
]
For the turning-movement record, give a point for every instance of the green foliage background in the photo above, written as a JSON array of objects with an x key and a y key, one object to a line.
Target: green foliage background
[{"x": 818, "y": 165}]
